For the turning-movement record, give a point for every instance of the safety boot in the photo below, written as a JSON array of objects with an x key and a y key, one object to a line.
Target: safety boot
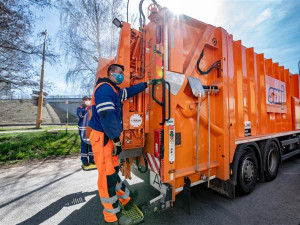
[
  {"x": 85, "y": 163},
  {"x": 123, "y": 219},
  {"x": 133, "y": 197},
  {"x": 112, "y": 223}
]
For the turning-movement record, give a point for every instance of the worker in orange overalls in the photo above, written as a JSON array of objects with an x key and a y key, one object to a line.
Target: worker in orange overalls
[{"x": 106, "y": 124}]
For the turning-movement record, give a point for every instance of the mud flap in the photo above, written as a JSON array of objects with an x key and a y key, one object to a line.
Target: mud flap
[
  {"x": 223, "y": 187},
  {"x": 184, "y": 198}
]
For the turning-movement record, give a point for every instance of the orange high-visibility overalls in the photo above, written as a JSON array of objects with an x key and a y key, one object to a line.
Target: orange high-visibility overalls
[{"x": 111, "y": 188}]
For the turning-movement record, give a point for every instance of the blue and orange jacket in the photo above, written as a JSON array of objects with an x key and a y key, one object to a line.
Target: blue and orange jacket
[
  {"x": 81, "y": 111},
  {"x": 107, "y": 106}
]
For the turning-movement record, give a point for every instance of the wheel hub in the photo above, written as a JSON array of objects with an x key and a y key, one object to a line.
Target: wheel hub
[
  {"x": 272, "y": 160},
  {"x": 248, "y": 170}
]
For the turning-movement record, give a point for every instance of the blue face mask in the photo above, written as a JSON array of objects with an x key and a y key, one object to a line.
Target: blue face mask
[{"x": 119, "y": 77}]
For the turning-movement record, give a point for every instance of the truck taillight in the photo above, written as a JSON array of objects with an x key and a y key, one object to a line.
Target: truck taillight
[{"x": 158, "y": 140}]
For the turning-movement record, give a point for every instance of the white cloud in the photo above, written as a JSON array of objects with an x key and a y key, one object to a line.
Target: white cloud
[{"x": 266, "y": 14}]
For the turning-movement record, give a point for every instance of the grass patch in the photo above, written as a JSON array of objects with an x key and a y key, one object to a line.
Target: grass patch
[
  {"x": 34, "y": 128},
  {"x": 38, "y": 145}
]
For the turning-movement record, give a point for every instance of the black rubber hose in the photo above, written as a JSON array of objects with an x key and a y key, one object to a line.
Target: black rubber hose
[
  {"x": 127, "y": 9},
  {"x": 216, "y": 64},
  {"x": 142, "y": 15},
  {"x": 138, "y": 164},
  {"x": 155, "y": 3}
]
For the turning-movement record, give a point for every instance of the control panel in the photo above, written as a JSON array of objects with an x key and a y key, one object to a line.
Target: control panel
[{"x": 171, "y": 143}]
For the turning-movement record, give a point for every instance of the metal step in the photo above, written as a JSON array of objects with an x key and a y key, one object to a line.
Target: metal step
[
  {"x": 290, "y": 154},
  {"x": 134, "y": 213}
]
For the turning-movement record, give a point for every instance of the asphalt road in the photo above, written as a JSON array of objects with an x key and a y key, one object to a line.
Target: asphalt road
[{"x": 59, "y": 192}]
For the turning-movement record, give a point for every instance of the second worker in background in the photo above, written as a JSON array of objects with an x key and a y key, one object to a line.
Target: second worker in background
[{"x": 87, "y": 157}]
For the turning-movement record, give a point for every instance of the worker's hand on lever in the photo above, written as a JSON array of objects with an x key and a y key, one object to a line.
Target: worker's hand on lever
[
  {"x": 117, "y": 146},
  {"x": 153, "y": 81}
]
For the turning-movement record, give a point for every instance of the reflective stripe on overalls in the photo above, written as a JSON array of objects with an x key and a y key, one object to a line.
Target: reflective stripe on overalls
[{"x": 108, "y": 167}]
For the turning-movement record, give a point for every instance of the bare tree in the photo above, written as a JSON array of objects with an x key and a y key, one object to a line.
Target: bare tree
[
  {"x": 86, "y": 35},
  {"x": 17, "y": 52}
]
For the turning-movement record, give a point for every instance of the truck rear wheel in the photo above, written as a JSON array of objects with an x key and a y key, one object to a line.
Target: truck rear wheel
[
  {"x": 271, "y": 160},
  {"x": 247, "y": 172}
]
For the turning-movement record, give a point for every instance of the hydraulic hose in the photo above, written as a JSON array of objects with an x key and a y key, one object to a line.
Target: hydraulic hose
[
  {"x": 216, "y": 64},
  {"x": 155, "y": 3},
  {"x": 142, "y": 15},
  {"x": 138, "y": 164},
  {"x": 127, "y": 9}
]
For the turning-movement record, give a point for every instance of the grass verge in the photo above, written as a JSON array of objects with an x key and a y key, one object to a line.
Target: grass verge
[
  {"x": 16, "y": 147},
  {"x": 33, "y": 128}
]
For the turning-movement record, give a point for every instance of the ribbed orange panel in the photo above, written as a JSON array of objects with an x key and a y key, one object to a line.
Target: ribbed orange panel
[
  {"x": 270, "y": 116},
  {"x": 252, "y": 109},
  {"x": 231, "y": 96},
  {"x": 288, "y": 99},
  {"x": 296, "y": 85},
  {"x": 239, "y": 93},
  {"x": 261, "y": 92},
  {"x": 283, "y": 115},
  {"x": 277, "y": 115}
]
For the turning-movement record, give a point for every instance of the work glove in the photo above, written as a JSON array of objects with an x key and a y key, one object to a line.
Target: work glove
[
  {"x": 153, "y": 81},
  {"x": 117, "y": 146}
]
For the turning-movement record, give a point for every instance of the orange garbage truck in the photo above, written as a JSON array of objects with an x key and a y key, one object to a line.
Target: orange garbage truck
[{"x": 221, "y": 114}]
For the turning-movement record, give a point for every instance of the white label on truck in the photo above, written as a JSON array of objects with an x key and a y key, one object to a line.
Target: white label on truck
[
  {"x": 298, "y": 126},
  {"x": 170, "y": 122},
  {"x": 135, "y": 120},
  {"x": 247, "y": 128},
  {"x": 171, "y": 143},
  {"x": 155, "y": 181}
]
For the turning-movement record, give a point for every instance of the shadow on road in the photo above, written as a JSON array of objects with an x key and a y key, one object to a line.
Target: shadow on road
[
  {"x": 89, "y": 213},
  {"x": 38, "y": 189}
]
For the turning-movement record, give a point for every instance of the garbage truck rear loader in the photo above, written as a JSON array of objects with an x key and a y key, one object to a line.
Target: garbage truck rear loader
[{"x": 221, "y": 113}]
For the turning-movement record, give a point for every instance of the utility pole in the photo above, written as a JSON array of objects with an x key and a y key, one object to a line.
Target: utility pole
[
  {"x": 40, "y": 100},
  {"x": 67, "y": 116}
]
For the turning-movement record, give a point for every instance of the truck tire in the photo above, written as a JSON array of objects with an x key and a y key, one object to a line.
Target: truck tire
[
  {"x": 271, "y": 157},
  {"x": 247, "y": 172}
]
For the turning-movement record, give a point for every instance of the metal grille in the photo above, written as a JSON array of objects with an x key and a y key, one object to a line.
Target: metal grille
[{"x": 178, "y": 138}]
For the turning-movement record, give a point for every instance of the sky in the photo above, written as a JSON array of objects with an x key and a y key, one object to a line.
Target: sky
[{"x": 272, "y": 27}]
